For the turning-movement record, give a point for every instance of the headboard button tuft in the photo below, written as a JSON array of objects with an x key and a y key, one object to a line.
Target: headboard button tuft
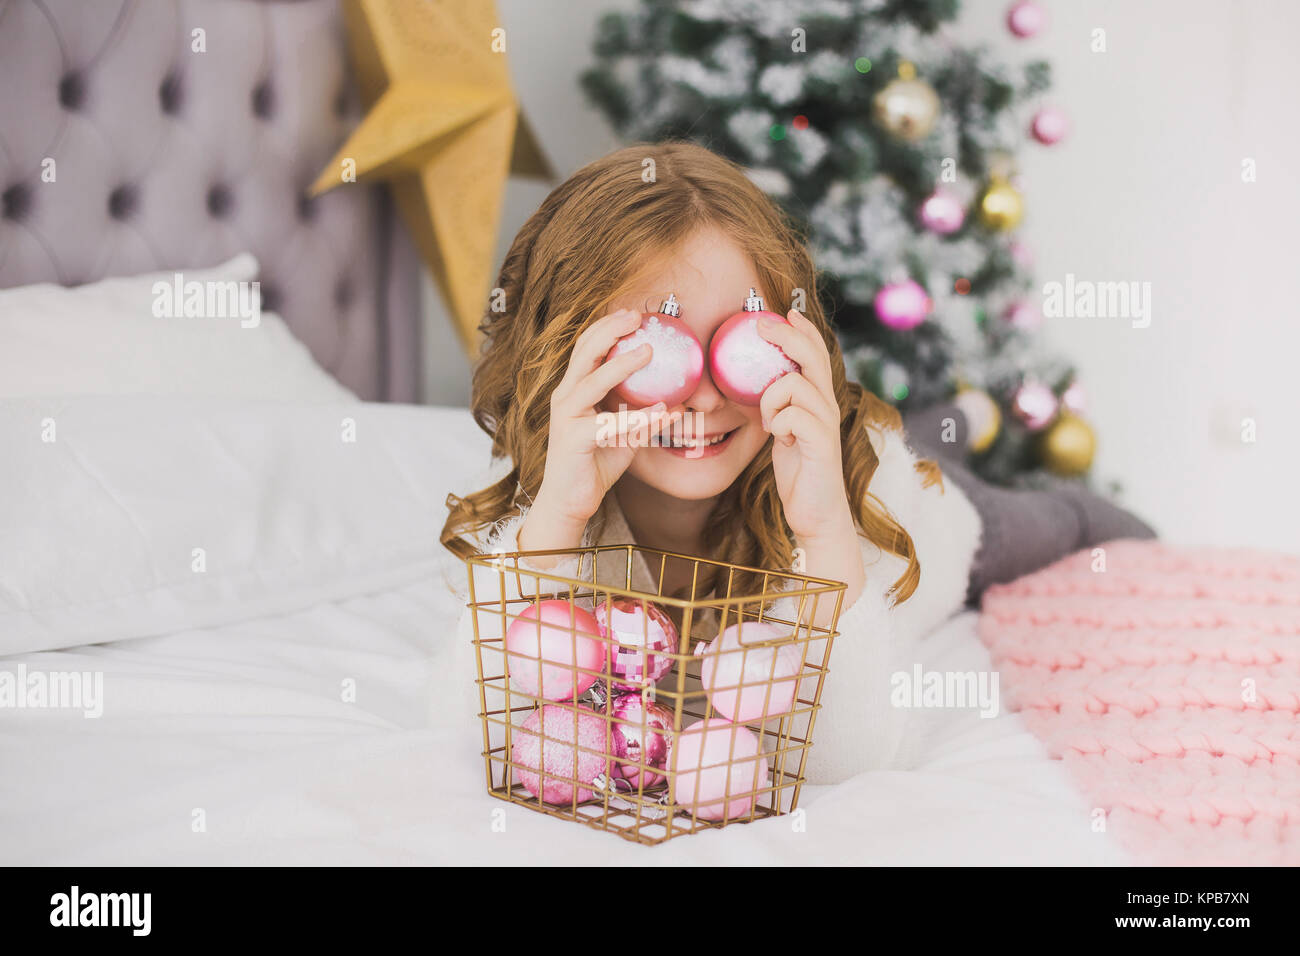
[
  {"x": 306, "y": 207},
  {"x": 343, "y": 293},
  {"x": 15, "y": 202},
  {"x": 122, "y": 202},
  {"x": 263, "y": 100},
  {"x": 169, "y": 94},
  {"x": 270, "y": 297},
  {"x": 72, "y": 91},
  {"x": 220, "y": 201}
]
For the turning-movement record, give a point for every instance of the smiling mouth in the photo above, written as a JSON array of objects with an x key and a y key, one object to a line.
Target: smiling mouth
[
  {"x": 688, "y": 446},
  {"x": 703, "y": 442}
]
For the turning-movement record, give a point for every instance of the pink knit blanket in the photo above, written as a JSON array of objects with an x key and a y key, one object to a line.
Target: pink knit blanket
[{"x": 1168, "y": 681}]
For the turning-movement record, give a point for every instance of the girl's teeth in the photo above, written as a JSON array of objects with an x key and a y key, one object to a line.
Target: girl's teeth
[{"x": 696, "y": 443}]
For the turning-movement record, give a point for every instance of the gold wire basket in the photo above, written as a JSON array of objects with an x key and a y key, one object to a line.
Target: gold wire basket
[{"x": 662, "y": 784}]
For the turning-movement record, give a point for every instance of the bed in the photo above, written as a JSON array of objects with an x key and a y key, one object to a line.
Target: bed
[
  {"x": 249, "y": 560},
  {"x": 298, "y": 700}
]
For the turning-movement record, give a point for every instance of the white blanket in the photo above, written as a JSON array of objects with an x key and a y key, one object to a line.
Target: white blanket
[{"x": 267, "y": 711}]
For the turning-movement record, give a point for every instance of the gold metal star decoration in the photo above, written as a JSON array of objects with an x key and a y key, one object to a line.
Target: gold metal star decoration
[{"x": 444, "y": 129}]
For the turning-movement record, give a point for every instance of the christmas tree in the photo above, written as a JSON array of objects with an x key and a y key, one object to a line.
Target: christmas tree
[{"x": 893, "y": 145}]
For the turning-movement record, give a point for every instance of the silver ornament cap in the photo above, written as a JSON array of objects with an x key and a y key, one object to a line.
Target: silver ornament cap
[
  {"x": 670, "y": 306},
  {"x": 754, "y": 301}
]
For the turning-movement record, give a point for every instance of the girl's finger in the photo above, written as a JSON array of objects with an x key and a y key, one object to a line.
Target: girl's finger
[
  {"x": 795, "y": 424},
  {"x": 804, "y": 346},
  {"x": 795, "y": 389},
  {"x": 594, "y": 344},
  {"x": 592, "y": 389},
  {"x": 802, "y": 323},
  {"x": 631, "y": 428}
]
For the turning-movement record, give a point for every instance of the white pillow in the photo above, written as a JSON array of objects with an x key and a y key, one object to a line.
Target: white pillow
[
  {"x": 105, "y": 338},
  {"x": 130, "y": 516}
]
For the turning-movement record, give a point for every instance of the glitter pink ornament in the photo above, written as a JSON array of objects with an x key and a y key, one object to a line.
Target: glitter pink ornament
[
  {"x": 942, "y": 213},
  {"x": 718, "y": 768},
  {"x": 902, "y": 305},
  {"x": 1049, "y": 125},
  {"x": 743, "y": 363},
  {"x": 676, "y": 362},
  {"x": 745, "y": 679},
  {"x": 641, "y": 734},
  {"x": 644, "y": 638},
  {"x": 1024, "y": 316},
  {"x": 1034, "y": 404},
  {"x": 547, "y": 761},
  {"x": 544, "y": 644},
  {"x": 1025, "y": 19}
]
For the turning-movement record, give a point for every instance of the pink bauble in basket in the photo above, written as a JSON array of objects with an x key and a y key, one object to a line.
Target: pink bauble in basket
[
  {"x": 647, "y": 636},
  {"x": 553, "y": 744},
  {"x": 641, "y": 733},
  {"x": 718, "y": 769},
  {"x": 541, "y": 657},
  {"x": 745, "y": 682}
]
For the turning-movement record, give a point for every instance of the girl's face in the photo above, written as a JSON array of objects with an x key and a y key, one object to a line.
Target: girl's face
[{"x": 711, "y": 277}]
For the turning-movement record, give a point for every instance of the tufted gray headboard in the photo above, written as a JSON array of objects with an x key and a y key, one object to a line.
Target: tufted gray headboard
[{"x": 165, "y": 157}]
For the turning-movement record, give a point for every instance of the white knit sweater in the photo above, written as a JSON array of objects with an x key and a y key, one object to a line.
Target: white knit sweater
[{"x": 857, "y": 729}]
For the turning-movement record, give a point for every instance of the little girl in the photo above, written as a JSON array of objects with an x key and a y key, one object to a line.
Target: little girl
[{"x": 820, "y": 465}]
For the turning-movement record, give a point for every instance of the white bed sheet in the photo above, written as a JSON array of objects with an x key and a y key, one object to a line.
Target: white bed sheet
[
  {"x": 224, "y": 690},
  {"x": 247, "y": 723}
]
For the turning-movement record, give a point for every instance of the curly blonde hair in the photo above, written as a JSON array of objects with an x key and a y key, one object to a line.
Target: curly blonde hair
[{"x": 572, "y": 258}]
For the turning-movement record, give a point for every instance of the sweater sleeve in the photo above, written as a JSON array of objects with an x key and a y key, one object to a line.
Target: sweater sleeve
[
  {"x": 493, "y": 584},
  {"x": 493, "y": 587},
  {"x": 858, "y": 727}
]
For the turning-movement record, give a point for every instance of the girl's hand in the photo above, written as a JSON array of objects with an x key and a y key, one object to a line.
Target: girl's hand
[
  {"x": 801, "y": 412},
  {"x": 587, "y": 449}
]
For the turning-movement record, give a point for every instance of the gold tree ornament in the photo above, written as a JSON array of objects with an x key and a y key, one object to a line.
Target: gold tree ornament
[
  {"x": 444, "y": 129},
  {"x": 983, "y": 418},
  {"x": 1069, "y": 445},
  {"x": 1001, "y": 206},
  {"x": 907, "y": 107}
]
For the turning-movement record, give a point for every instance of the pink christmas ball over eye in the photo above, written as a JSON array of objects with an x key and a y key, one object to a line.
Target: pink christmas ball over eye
[
  {"x": 647, "y": 637},
  {"x": 676, "y": 363},
  {"x": 641, "y": 733},
  {"x": 544, "y": 746},
  {"x": 718, "y": 769},
  {"x": 541, "y": 657},
  {"x": 746, "y": 682},
  {"x": 743, "y": 363}
]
